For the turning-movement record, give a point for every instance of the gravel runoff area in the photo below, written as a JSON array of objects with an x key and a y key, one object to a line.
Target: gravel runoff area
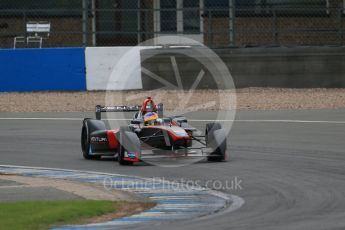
[{"x": 246, "y": 99}]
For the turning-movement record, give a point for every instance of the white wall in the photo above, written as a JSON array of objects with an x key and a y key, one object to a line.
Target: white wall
[{"x": 113, "y": 68}]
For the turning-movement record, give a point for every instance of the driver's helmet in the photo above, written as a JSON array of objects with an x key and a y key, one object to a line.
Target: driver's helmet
[{"x": 150, "y": 118}]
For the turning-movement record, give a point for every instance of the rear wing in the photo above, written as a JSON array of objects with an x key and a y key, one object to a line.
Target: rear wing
[{"x": 123, "y": 108}]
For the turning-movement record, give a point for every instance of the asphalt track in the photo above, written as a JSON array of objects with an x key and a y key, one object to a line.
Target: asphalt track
[{"x": 291, "y": 165}]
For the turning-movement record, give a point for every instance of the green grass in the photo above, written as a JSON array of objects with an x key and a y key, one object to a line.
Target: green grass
[{"x": 31, "y": 215}]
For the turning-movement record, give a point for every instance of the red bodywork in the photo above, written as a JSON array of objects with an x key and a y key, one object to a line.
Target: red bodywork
[
  {"x": 133, "y": 159},
  {"x": 112, "y": 139}
]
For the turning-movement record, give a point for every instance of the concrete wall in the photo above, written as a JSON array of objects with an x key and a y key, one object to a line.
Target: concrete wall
[
  {"x": 303, "y": 67},
  {"x": 159, "y": 63}
]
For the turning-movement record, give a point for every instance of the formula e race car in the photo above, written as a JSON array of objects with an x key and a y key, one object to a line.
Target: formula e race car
[{"x": 150, "y": 135}]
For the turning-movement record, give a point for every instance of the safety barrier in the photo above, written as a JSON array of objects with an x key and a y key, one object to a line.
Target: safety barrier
[
  {"x": 113, "y": 68},
  {"x": 120, "y": 68},
  {"x": 24, "y": 70},
  {"x": 103, "y": 64}
]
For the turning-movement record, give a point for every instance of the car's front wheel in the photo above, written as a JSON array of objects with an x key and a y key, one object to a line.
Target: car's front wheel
[
  {"x": 85, "y": 142},
  {"x": 216, "y": 139}
]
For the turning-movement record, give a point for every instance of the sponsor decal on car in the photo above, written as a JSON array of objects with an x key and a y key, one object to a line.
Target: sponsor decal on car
[
  {"x": 132, "y": 155},
  {"x": 99, "y": 140}
]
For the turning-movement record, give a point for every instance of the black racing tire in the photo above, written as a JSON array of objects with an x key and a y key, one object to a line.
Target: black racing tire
[
  {"x": 85, "y": 141},
  {"x": 210, "y": 128},
  {"x": 213, "y": 132}
]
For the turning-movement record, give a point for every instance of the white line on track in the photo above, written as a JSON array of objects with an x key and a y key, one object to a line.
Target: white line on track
[
  {"x": 276, "y": 121},
  {"x": 194, "y": 120}
]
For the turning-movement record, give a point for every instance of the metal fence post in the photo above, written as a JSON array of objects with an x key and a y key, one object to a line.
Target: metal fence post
[
  {"x": 139, "y": 21},
  {"x": 340, "y": 26},
  {"x": 25, "y": 31},
  {"x": 210, "y": 35},
  {"x": 275, "y": 31},
  {"x": 231, "y": 23},
  {"x": 342, "y": 11},
  {"x": 94, "y": 28},
  {"x": 84, "y": 22}
]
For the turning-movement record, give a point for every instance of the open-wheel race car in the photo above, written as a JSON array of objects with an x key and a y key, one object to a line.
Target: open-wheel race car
[{"x": 150, "y": 136}]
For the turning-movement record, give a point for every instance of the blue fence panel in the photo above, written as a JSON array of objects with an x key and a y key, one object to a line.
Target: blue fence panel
[{"x": 59, "y": 69}]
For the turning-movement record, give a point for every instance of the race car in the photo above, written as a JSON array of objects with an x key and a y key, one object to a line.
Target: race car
[{"x": 150, "y": 135}]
